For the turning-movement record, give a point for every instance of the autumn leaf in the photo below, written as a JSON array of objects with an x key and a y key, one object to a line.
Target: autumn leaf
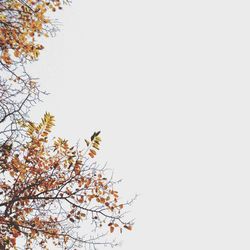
[{"x": 111, "y": 229}]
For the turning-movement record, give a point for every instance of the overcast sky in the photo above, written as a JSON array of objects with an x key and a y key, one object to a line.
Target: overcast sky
[{"x": 167, "y": 83}]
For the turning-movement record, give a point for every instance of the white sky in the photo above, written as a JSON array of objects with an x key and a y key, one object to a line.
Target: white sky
[{"x": 167, "y": 82}]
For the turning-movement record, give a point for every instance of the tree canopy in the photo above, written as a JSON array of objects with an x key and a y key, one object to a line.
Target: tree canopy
[{"x": 49, "y": 190}]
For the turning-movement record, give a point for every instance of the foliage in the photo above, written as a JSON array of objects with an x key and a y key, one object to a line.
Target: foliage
[
  {"x": 48, "y": 190},
  {"x": 22, "y": 22}
]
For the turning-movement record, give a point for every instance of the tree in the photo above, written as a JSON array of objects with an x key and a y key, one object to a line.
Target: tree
[
  {"x": 48, "y": 189},
  {"x": 22, "y": 22}
]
